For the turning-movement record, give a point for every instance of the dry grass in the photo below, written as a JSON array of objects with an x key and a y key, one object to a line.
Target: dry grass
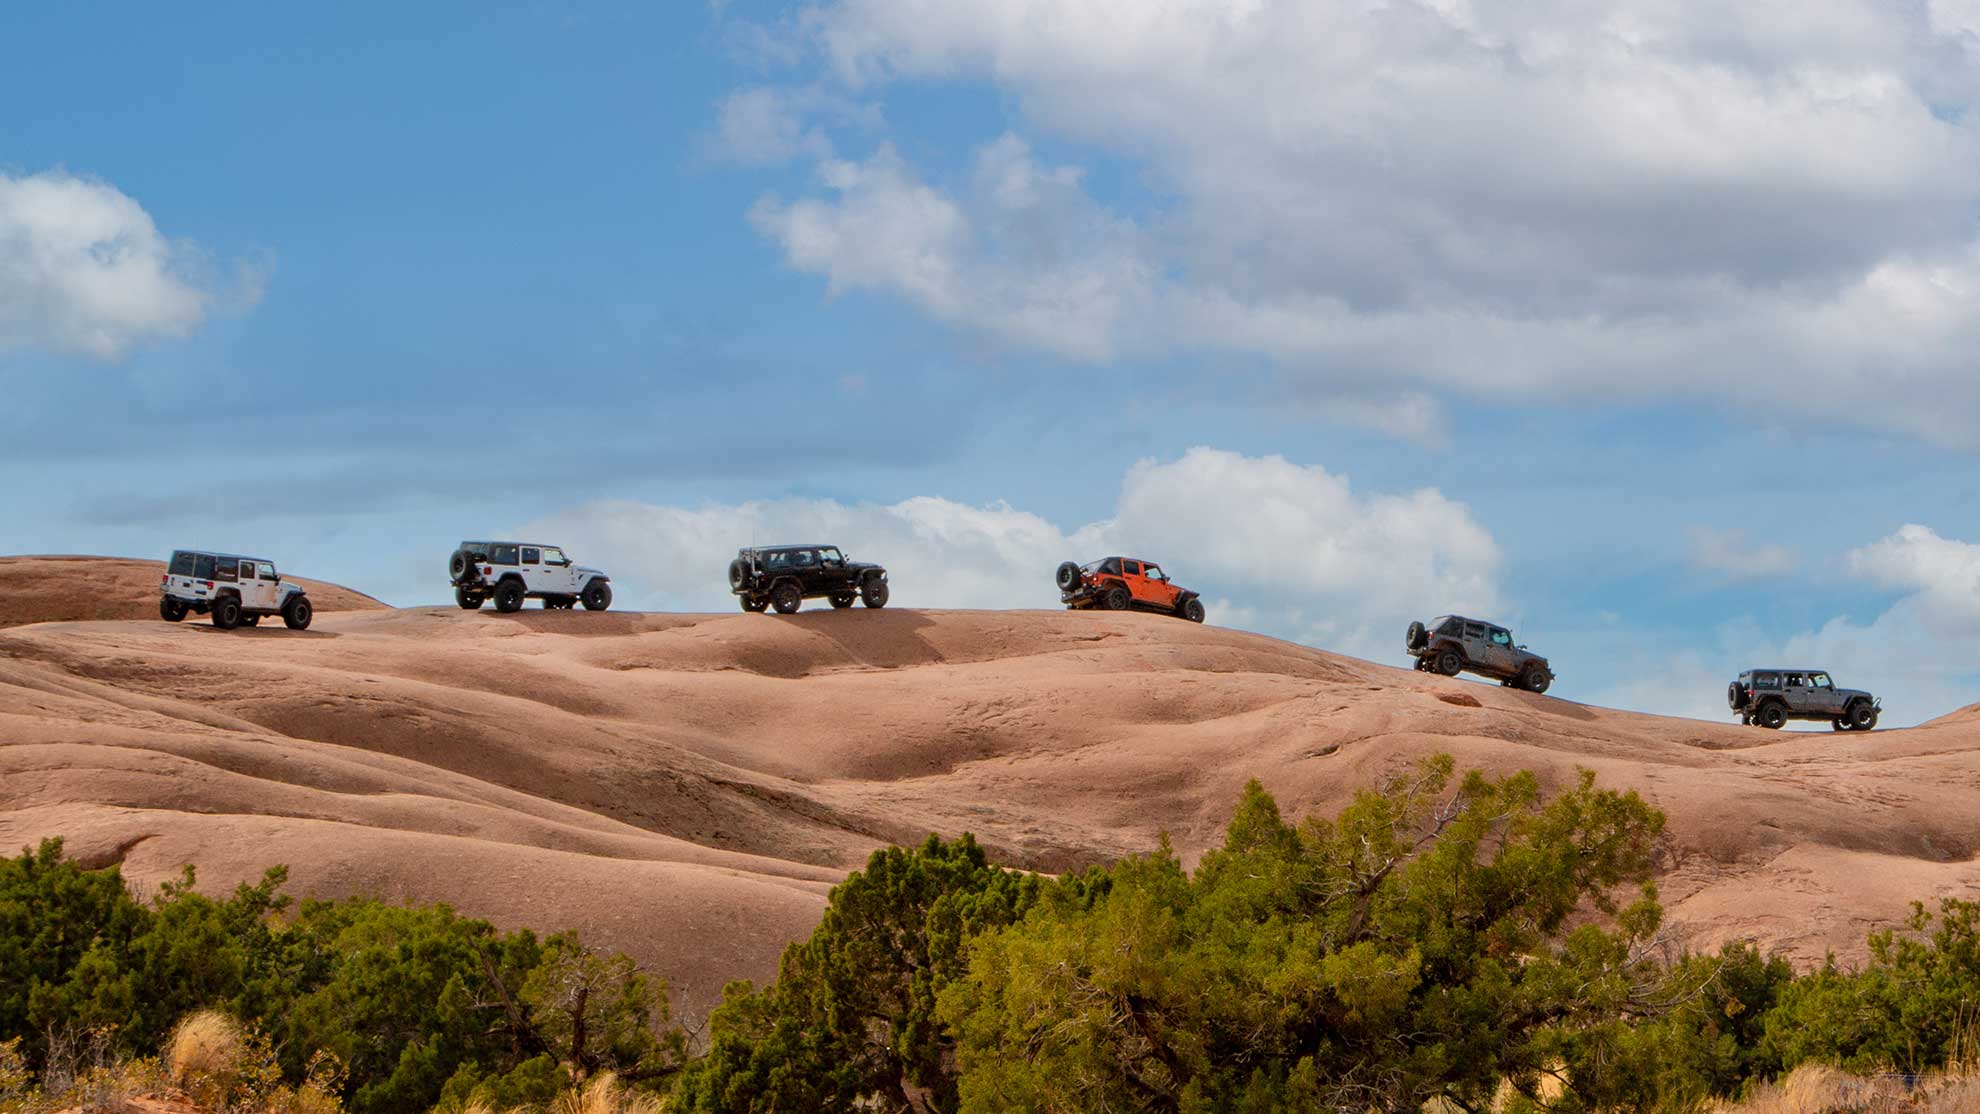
[
  {"x": 204, "y": 1057},
  {"x": 1818, "y": 1089},
  {"x": 604, "y": 1094}
]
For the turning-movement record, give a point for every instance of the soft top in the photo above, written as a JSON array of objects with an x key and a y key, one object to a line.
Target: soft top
[{"x": 219, "y": 556}]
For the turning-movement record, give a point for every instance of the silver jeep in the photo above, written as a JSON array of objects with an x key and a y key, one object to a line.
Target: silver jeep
[
  {"x": 1453, "y": 644},
  {"x": 1771, "y": 697}
]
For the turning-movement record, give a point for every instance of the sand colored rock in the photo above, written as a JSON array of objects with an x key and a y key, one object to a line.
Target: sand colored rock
[
  {"x": 688, "y": 787},
  {"x": 49, "y": 589}
]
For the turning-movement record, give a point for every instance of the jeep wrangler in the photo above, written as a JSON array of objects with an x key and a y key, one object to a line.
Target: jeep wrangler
[
  {"x": 511, "y": 572},
  {"x": 784, "y": 576},
  {"x": 1124, "y": 583},
  {"x": 237, "y": 591},
  {"x": 1453, "y": 644},
  {"x": 1771, "y": 697}
]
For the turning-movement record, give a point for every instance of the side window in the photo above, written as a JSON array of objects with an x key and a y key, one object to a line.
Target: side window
[
  {"x": 1111, "y": 565},
  {"x": 1152, "y": 572},
  {"x": 1821, "y": 681},
  {"x": 1451, "y": 628},
  {"x": 184, "y": 564},
  {"x": 1501, "y": 637},
  {"x": 224, "y": 569},
  {"x": 1767, "y": 680},
  {"x": 501, "y": 554},
  {"x": 203, "y": 567},
  {"x": 1794, "y": 680},
  {"x": 804, "y": 558},
  {"x": 267, "y": 571},
  {"x": 531, "y": 555},
  {"x": 1474, "y": 630},
  {"x": 1131, "y": 568}
]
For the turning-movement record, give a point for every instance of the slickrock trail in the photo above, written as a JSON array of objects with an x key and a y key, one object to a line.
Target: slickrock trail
[{"x": 687, "y": 788}]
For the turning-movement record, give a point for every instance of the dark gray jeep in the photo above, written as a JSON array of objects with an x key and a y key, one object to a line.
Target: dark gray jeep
[
  {"x": 1453, "y": 644},
  {"x": 784, "y": 576},
  {"x": 1771, "y": 697}
]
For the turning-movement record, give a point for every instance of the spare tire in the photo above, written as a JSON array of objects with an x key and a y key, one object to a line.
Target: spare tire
[
  {"x": 1735, "y": 696},
  {"x": 738, "y": 573},
  {"x": 1067, "y": 576},
  {"x": 1417, "y": 638},
  {"x": 461, "y": 565}
]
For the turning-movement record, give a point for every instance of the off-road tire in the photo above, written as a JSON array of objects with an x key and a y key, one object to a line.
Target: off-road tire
[
  {"x": 753, "y": 604},
  {"x": 738, "y": 573},
  {"x": 509, "y": 596},
  {"x": 466, "y": 600},
  {"x": 461, "y": 566},
  {"x": 1193, "y": 610},
  {"x": 1417, "y": 637},
  {"x": 1735, "y": 696},
  {"x": 1450, "y": 663},
  {"x": 874, "y": 592},
  {"x": 597, "y": 596},
  {"x": 1067, "y": 578},
  {"x": 786, "y": 598},
  {"x": 226, "y": 613},
  {"x": 1771, "y": 715},
  {"x": 1534, "y": 679},
  {"x": 1862, "y": 716},
  {"x": 1116, "y": 598},
  {"x": 297, "y": 613},
  {"x": 170, "y": 610},
  {"x": 843, "y": 600}
]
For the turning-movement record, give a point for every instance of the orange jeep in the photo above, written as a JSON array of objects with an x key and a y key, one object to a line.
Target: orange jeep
[{"x": 1120, "y": 583}]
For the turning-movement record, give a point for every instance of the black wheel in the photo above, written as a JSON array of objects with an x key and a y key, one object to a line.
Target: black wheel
[
  {"x": 843, "y": 600},
  {"x": 753, "y": 604},
  {"x": 874, "y": 592},
  {"x": 1535, "y": 679},
  {"x": 461, "y": 565},
  {"x": 250, "y": 620},
  {"x": 1862, "y": 716},
  {"x": 1193, "y": 610},
  {"x": 738, "y": 572},
  {"x": 1450, "y": 663},
  {"x": 597, "y": 596},
  {"x": 297, "y": 613},
  {"x": 1771, "y": 716},
  {"x": 1416, "y": 637},
  {"x": 1067, "y": 577},
  {"x": 468, "y": 601},
  {"x": 1735, "y": 696},
  {"x": 509, "y": 597},
  {"x": 226, "y": 613},
  {"x": 1116, "y": 599},
  {"x": 786, "y": 598},
  {"x": 170, "y": 610}
]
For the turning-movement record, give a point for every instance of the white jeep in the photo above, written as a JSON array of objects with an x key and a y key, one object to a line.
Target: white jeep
[
  {"x": 237, "y": 591},
  {"x": 511, "y": 572}
]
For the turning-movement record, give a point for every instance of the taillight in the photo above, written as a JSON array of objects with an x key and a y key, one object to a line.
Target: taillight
[
  {"x": 166, "y": 579},
  {"x": 487, "y": 571},
  {"x": 206, "y": 584}
]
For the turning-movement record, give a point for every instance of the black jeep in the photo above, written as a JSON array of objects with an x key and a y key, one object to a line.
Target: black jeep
[{"x": 784, "y": 576}]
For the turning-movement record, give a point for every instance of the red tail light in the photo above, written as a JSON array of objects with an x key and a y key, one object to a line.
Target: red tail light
[{"x": 487, "y": 571}]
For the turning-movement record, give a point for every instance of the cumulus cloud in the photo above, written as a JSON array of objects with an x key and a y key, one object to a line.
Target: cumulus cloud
[
  {"x": 1918, "y": 654},
  {"x": 1730, "y": 552},
  {"x": 1731, "y": 204},
  {"x": 1289, "y": 549},
  {"x": 83, "y": 269},
  {"x": 1024, "y": 255}
]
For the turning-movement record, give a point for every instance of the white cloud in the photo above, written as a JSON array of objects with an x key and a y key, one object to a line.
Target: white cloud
[
  {"x": 1919, "y": 654},
  {"x": 1734, "y": 204},
  {"x": 1290, "y": 550},
  {"x": 1025, "y": 256},
  {"x": 1943, "y": 574},
  {"x": 84, "y": 269},
  {"x": 1730, "y": 552}
]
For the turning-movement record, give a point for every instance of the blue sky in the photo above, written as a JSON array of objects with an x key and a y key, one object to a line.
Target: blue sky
[{"x": 1650, "y": 341}]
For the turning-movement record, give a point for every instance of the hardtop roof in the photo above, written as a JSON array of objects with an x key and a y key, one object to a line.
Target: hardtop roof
[{"x": 217, "y": 554}]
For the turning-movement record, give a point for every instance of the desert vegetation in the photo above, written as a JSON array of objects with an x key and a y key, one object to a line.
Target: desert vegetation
[{"x": 1448, "y": 942}]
